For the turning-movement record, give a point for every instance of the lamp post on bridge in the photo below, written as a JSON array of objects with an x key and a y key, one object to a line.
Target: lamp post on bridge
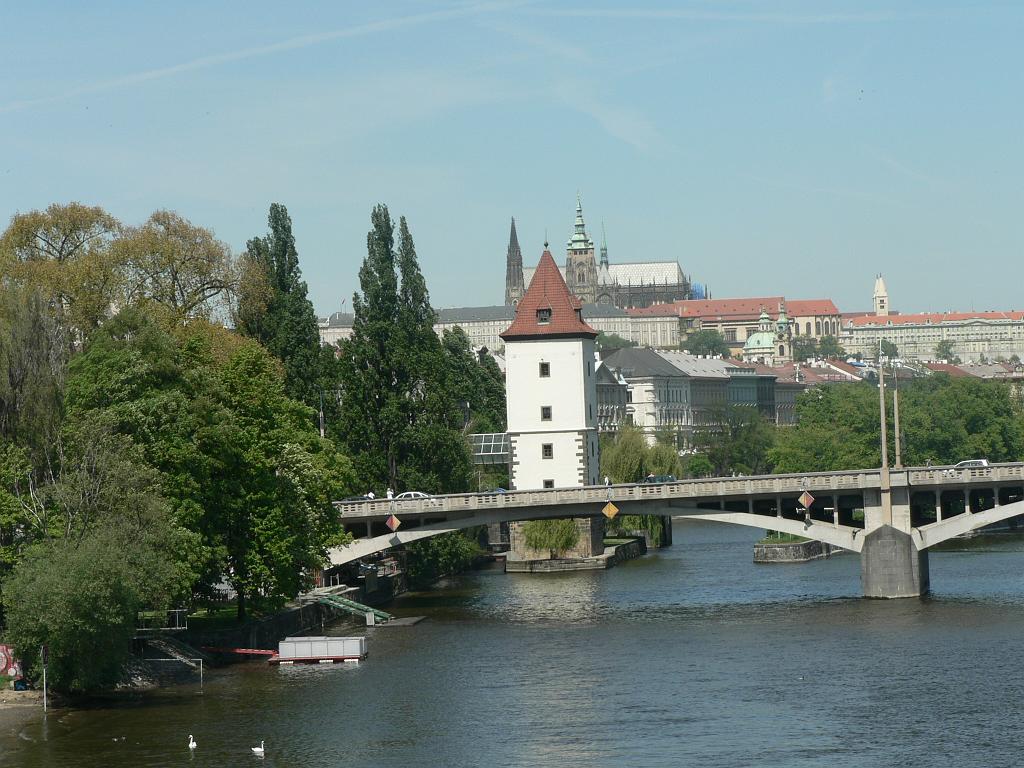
[{"x": 886, "y": 488}]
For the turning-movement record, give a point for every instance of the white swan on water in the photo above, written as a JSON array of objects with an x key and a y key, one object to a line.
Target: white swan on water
[
  {"x": 258, "y": 750},
  {"x": 191, "y": 742}
]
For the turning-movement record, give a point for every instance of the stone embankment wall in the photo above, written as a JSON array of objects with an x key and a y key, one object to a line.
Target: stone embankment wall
[
  {"x": 793, "y": 552},
  {"x": 612, "y": 556}
]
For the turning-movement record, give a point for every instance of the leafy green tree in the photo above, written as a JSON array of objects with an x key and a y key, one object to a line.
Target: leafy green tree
[
  {"x": 273, "y": 308},
  {"x": 944, "y": 350},
  {"x": 556, "y": 536},
  {"x": 475, "y": 382},
  {"x": 698, "y": 465},
  {"x": 830, "y": 348},
  {"x": 612, "y": 341},
  {"x": 889, "y": 349},
  {"x": 706, "y": 342},
  {"x": 623, "y": 457},
  {"x": 241, "y": 462},
  {"x": 398, "y": 413},
  {"x": 740, "y": 444},
  {"x": 805, "y": 348}
]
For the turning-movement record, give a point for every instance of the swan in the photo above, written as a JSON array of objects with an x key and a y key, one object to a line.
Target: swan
[
  {"x": 258, "y": 751},
  {"x": 191, "y": 742}
]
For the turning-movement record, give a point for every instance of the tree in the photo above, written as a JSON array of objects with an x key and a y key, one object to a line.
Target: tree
[
  {"x": 437, "y": 556},
  {"x": 706, "y": 342},
  {"x": 176, "y": 266},
  {"x": 398, "y": 413},
  {"x": 611, "y": 341},
  {"x": 66, "y": 253},
  {"x": 556, "y": 536},
  {"x": 829, "y": 348},
  {"x": 475, "y": 382},
  {"x": 623, "y": 457},
  {"x": 889, "y": 349},
  {"x": 740, "y": 444},
  {"x": 805, "y": 348},
  {"x": 241, "y": 462},
  {"x": 944, "y": 350},
  {"x": 274, "y": 309}
]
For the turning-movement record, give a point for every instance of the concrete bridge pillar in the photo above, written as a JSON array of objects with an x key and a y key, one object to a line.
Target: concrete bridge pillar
[{"x": 892, "y": 566}]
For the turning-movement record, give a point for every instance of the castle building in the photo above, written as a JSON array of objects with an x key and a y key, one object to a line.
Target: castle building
[
  {"x": 593, "y": 281},
  {"x": 551, "y": 376}
]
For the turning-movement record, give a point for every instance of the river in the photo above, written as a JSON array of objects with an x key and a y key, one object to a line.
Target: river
[{"x": 690, "y": 656}]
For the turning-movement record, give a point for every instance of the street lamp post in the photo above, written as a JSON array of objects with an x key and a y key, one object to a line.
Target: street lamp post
[{"x": 886, "y": 488}]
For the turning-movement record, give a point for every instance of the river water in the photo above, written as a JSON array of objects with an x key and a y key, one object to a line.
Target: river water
[{"x": 690, "y": 656}]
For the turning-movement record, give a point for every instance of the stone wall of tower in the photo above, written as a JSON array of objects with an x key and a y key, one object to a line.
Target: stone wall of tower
[{"x": 581, "y": 274}]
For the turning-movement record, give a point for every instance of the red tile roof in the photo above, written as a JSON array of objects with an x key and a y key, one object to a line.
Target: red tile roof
[
  {"x": 934, "y": 317},
  {"x": 952, "y": 370},
  {"x": 811, "y": 307},
  {"x": 736, "y": 309},
  {"x": 548, "y": 291}
]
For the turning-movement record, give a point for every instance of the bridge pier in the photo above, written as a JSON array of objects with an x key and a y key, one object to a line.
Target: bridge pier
[{"x": 892, "y": 566}]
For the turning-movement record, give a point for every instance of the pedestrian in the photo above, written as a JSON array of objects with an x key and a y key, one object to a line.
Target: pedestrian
[
  {"x": 370, "y": 495},
  {"x": 391, "y": 494},
  {"x": 607, "y": 482}
]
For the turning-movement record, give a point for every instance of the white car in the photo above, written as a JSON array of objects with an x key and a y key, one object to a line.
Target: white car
[
  {"x": 971, "y": 464},
  {"x": 413, "y": 495}
]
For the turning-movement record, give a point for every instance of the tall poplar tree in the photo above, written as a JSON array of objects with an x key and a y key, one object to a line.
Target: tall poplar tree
[
  {"x": 274, "y": 309},
  {"x": 398, "y": 415}
]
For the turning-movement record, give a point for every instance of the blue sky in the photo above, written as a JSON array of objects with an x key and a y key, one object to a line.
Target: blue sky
[{"x": 791, "y": 148}]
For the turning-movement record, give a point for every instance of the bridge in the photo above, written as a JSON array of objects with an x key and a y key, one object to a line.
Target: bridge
[{"x": 891, "y": 524}]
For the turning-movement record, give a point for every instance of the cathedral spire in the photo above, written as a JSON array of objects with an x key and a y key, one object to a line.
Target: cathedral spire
[
  {"x": 514, "y": 288},
  {"x": 604, "y": 247}
]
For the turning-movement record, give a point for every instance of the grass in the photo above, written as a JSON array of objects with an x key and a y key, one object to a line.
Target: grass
[{"x": 777, "y": 537}]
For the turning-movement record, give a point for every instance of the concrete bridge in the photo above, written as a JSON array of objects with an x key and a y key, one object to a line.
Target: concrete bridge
[{"x": 891, "y": 527}]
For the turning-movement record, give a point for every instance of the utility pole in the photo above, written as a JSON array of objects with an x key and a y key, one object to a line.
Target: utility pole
[
  {"x": 896, "y": 414},
  {"x": 886, "y": 489}
]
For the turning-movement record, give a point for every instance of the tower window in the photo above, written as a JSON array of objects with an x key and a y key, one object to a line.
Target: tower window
[
  {"x": 545, "y": 370},
  {"x": 545, "y": 413},
  {"x": 543, "y": 316},
  {"x": 547, "y": 451},
  {"x": 549, "y": 483}
]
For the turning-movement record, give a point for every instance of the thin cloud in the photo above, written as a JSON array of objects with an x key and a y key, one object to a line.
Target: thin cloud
[
  {"x": 720, "y": 16},
  {"x": 291, "y": 44},
  {"x": 624, "y": 123}
]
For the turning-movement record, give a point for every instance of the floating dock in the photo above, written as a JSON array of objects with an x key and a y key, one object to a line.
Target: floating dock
[{"x": 319, "y": 650}]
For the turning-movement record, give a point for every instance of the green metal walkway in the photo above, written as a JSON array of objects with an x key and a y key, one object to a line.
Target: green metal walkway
[{"x": 351, "y": 606}]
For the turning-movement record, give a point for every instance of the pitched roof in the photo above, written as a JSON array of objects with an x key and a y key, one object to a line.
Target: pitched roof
[
  {"x": 475, "y": 314},
  {"x": 641, "y": 362},
  {"x": 952, "y": 370},
  {"x": 933, "y": 318},
  {"x": 548, "y": 291},
  {"x": 811, "y": 307},
  {"x": 721, "y": 309}
]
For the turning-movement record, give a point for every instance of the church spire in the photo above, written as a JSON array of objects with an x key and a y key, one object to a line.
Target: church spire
[
  {"x": 604, "y": 247},
  {"x": 514, "y": 288}
]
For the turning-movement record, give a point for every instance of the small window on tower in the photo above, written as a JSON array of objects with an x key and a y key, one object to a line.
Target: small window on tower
[
  {"x": 545, "y": 370},
  {"x": 549, "y": 483},
  {"x": 547, "y": 451},
  {"x": 579, "y": 315},
  {"x": 543, "y": 316},
  {"x": 545, "y": 413}
]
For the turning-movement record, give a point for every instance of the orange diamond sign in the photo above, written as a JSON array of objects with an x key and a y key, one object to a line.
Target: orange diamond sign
[
  {"x": 806, "y": 500},
  {"x": 610, "y": 510},
  {"x": 392, "y": 522}
]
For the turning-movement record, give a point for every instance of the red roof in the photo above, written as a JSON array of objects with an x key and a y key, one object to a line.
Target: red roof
[
  {"x": 932, "y": 318},
  {"x": 952, "y": 370},
  {"x": 811, "y": 307},
  {"x": 548, "y": 294},
  {"x": 737, "y": 309}
]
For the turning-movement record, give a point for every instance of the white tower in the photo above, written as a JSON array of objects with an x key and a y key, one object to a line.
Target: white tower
[
  {"x": 552, "y": 394},
  {"x": 881, "y": 298}
]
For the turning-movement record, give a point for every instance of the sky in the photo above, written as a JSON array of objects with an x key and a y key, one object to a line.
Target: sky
[{"x": 772, "y": 148}]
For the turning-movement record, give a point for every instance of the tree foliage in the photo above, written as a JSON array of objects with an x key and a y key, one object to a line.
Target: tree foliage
[
  {"x": 273, "y": 308},
  {"x": 557, "y": 536},
  {"x": 398, "y": 412},
  {"x": 477, "y": 383},
  {"x": 610, "y": 341},
  {"x": 438, "y": 556},
  {"x": 706, "y": 342},
  {"x": 739, "y": 443},
  {"x": 945, "y": 350}
]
